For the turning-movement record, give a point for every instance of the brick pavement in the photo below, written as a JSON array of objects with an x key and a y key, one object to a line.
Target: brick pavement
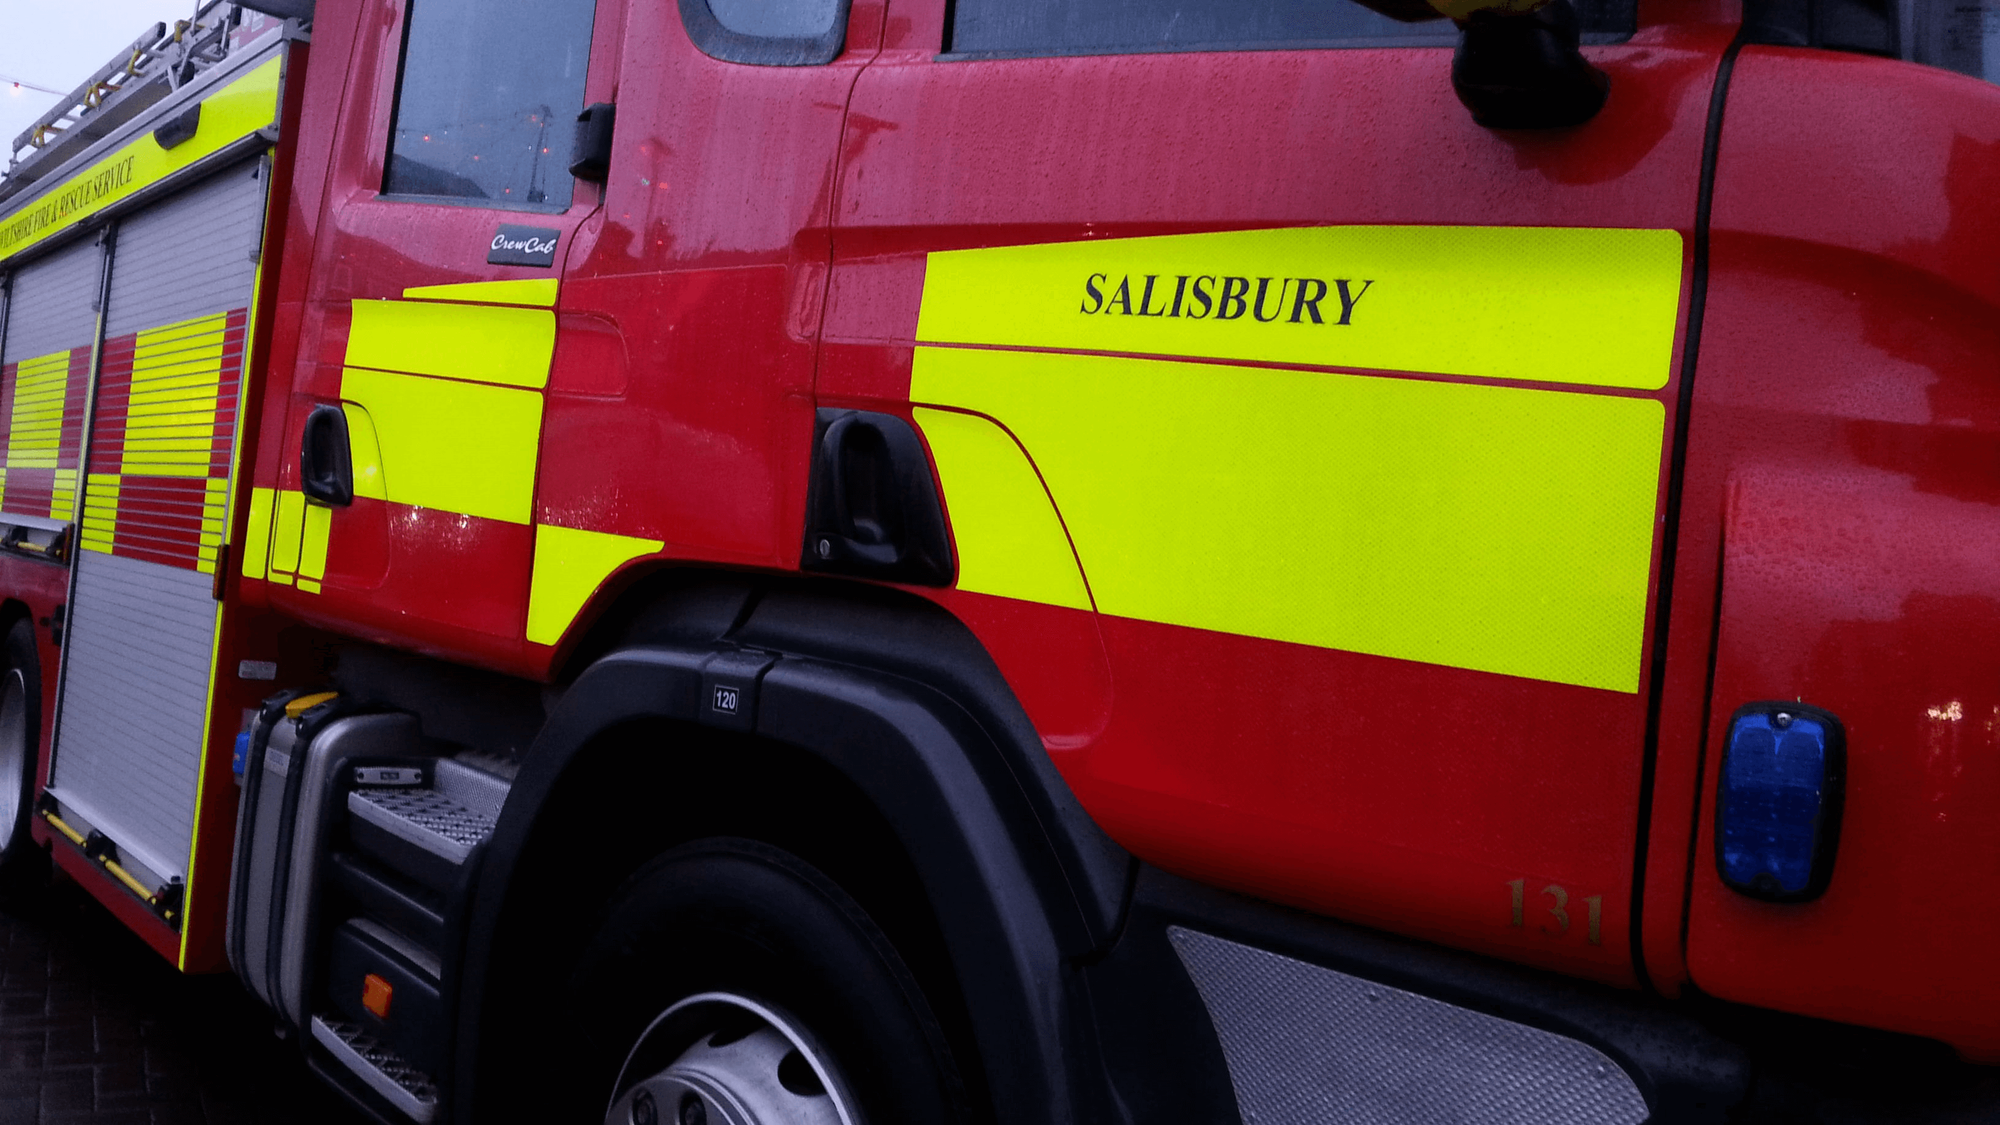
[{"x": 96, "y": 1028}]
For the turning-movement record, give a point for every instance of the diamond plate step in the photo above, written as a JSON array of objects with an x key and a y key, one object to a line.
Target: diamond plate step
[
  {"x": 385, "y": 1072},
  {"x": 448, "y": 820}
]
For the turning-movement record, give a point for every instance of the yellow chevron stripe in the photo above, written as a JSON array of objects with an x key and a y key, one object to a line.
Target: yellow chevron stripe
[{"x": 1495, "y": 528}]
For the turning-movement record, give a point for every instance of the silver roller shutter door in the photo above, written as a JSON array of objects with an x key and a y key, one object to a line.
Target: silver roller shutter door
[
  {"x": 191, "y": 255},
  {"x": 141, "y": 636},
  {"x": 50, "y": 328},
  {"x": 54, "y": 304}
]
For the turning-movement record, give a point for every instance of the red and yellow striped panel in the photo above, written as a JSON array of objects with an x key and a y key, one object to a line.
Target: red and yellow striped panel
[
  {"x": 42, "y": 400},
  {"x": 158, "y": 484}
]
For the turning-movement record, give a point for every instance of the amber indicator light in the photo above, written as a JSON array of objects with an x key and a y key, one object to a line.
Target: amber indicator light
[{"x": 376, "y": 994}]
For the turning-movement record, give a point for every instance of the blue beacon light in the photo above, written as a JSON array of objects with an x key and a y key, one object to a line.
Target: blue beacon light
[{"x": 1778, "y": 801}]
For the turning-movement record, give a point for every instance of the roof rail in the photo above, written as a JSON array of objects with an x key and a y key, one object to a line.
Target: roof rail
[{"x": 160, "y": 61}]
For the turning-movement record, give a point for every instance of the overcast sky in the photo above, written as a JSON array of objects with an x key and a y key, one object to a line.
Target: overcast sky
[{"x": 58, "y": 43}]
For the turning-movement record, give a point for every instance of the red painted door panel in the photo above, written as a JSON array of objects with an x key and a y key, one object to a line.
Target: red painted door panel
[
  {"x": 436, "y": 348},
  {"x": 1283, "y": 697},
  {"x": 1846, "y": 429},
  {"x": 680, "y": 410}
]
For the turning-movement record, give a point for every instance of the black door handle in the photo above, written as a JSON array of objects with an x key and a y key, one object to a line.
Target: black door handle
[
  {"x": 872, "y": 506},
  {"x": 326, "y": 468},
  {"x": 857, "y": 488}
]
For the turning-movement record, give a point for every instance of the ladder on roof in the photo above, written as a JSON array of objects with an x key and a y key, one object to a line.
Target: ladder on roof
[{"x": 158, "y": 62}]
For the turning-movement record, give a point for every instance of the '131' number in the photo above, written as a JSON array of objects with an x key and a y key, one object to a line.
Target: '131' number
[{"x": 1557, "y": 922}]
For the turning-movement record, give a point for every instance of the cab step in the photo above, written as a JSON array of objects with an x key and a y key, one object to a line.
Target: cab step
[
  {"x": 383, "y": 1070},
  {"x": 428, "y": 833},
  {"x": 401, "y": 903}
]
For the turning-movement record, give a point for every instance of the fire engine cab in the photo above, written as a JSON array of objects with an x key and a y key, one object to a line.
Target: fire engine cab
[{"x": 906, "y": 561}]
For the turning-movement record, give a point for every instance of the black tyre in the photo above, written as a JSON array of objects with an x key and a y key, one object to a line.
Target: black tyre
[
  {"x": 21, "y": 860},
  {"x": 732, "y": 982}
]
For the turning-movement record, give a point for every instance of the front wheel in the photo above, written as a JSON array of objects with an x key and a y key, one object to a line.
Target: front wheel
[{"x": 733, "y": 984}]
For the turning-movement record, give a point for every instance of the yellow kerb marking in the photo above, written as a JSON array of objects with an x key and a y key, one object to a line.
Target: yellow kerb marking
[
  {"x": 1595, "y": 307},
  {"x": 570, "y": 564},
  {"x": 1006, "y": 535},
  {"x": 481, "y": 343},
  {"x": 457, "y": 447},
  {"x": 176, "y": 377},
  {"x": 538, "y": 291},
  {"x": 34, "y": 434},
  {"x": 1493, "y": 528}
]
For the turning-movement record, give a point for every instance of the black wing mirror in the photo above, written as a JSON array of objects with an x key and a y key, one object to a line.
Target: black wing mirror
[{"x": 1523, "y": 70}]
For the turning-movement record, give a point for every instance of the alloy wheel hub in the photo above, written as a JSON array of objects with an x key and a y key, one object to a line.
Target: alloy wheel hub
[{"x": 738, "y": 1063}]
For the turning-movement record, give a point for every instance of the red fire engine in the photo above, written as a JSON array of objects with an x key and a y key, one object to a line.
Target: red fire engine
[{"x": 1029, "y": 560}]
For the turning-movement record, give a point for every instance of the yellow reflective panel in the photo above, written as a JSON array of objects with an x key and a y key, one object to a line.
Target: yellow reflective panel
[
  {"x": 214, "y": 513},
  {"x": 34, "y": 434},
  {"x": 539, "y": 291},
  {"x": 285, "y": 532},
  {"x": 257, "y": 535},
  {"x": 570, "y": 564},
  {"x": 99, "y": 524},
  {"x": 62, "y": 498},
  {"x": 1559, "y": 305},
  {"x": 364, "y": 452},
  {"x": 244, "y": 106},
  {"x": 170, "y": 420},
  {"x": 457, "y": 447},
  {"x": 312, "y": 542},
  {"x": 482, "y": 343},
  {"x": 1006, "y": 535},
  {"x": 1493, "y": 528}
]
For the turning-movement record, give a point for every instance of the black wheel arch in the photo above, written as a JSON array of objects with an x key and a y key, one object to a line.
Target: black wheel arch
[{"x": 896, "y": 706}]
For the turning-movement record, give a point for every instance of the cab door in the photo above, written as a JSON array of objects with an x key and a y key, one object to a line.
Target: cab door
[
  {"x": 1341, "y": 422},
  {"x": 414, "y": 430},
  {"x": 680, "y": 412}
]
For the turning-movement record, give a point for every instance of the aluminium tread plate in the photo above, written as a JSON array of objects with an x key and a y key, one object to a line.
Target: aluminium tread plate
[
  {"x": 385, "y": 1072},
  {"x": 1306, "y": 1044},
  {"x": 424, "y": 817}
]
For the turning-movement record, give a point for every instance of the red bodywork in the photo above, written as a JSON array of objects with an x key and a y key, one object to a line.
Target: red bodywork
[
  {"x": 1404, "y": 795},
  {"x": 759, "y": 251},
  {"x": 1841, "y": 468}
]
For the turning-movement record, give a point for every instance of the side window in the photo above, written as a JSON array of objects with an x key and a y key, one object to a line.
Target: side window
[
  {"x": 487, "y": 100},
  {"x": 768, "y": 32},
  {"x": 1014, "y": 28},
  {"x": 1960, "y": 35}
]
